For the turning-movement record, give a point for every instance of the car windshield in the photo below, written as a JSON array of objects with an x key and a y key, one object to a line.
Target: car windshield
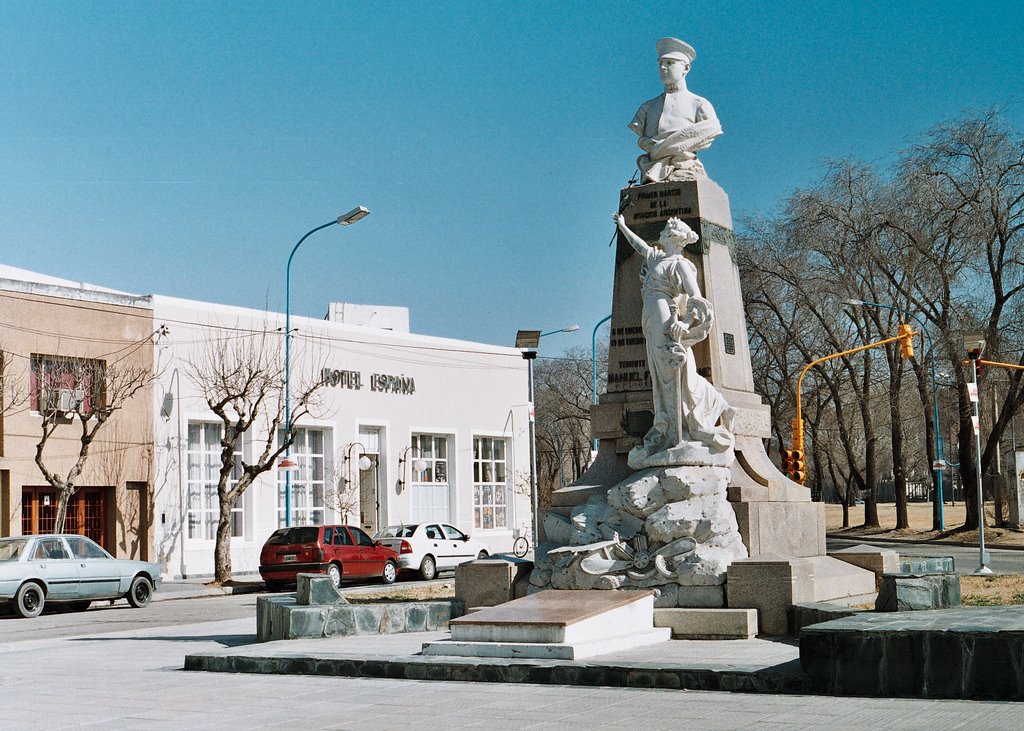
[
  {"x": 396, "y": 531},
  {"x": 291, "y": 536},
  {"x": 12, "y": 548}
]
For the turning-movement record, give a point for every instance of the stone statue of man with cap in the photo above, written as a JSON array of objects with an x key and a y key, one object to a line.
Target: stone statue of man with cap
[{"x": 674, "y": 126}]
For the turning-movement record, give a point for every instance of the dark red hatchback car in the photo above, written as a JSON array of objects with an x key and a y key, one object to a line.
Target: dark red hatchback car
[{"x": 340, "y": 551}]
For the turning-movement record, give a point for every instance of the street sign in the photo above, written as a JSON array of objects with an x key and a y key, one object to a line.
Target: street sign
[
  {"x": 972, "y": 391},
  {"x": 976, "y": 424},
  {"x": 939, "y": 464}
]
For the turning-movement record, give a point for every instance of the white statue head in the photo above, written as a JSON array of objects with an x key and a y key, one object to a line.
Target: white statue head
[
  {"x": 674, "y": 60},
  {"x": 676, "y": 235}
]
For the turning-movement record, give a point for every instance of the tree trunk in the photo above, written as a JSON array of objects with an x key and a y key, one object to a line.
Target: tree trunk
[
  {"x": 899, "y": 473},
  {"x": 222, "y": 547},
  {"x": 870, "y": 477},
  {"x": 63, "y": 498},
  {"x": 928, "y": 405},
  {"x": 997, "y": 484}
]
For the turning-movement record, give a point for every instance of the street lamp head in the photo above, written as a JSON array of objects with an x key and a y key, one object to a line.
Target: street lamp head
[
  {"x": 528, "y": 338},
  {"x": 354, "y": 215},
  {"x": 570, "y": 329},
  {"x": 974, "y": 341},
  {"x": 853, "y": 302}
]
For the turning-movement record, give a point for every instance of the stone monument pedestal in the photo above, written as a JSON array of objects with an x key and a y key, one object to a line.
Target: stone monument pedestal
[
  {"x": 775, "y": 515},
  {"x": 782, "y": 529}
]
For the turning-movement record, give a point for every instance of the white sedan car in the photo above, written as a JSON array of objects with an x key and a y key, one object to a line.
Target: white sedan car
[
  {"x": 430, "y": 547},
  {"x": 69, "y": 570}
]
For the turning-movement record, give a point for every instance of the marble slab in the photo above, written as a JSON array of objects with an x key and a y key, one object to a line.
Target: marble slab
[
  {"x": 559, "y": 608},
  {"x": 548, "y": 650}
]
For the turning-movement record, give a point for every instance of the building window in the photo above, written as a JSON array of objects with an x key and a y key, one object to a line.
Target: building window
[
  {"x": 203, "y": 475},
  {"x": 429, "y": 488},
  {"x": 490, "y": 484},
  {"x": 58, "y": 384},
  {"x": 307, "y": 501}
]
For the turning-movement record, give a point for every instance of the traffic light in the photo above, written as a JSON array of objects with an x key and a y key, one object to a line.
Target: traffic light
[
  {"x": 906, "y": 336},
  {"x": 799, "y": 468},
  {"x": 793, "y": 465}
]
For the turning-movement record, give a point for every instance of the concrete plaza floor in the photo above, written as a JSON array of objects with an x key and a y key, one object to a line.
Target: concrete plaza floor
[{"x": 134, "y": 680}]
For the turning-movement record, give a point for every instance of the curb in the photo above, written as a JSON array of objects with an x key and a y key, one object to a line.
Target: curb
[
  {"x": 202, "y": 590},
  {"x": 788, "y": 678},
  {"x": 929, "y": 541}
]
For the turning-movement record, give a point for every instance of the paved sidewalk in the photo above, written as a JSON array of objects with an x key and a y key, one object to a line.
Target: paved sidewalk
[
  {"x": 133, "y": 680},
  {"x": 766, "y": 666},
  {"x": 192, "y": 588}
]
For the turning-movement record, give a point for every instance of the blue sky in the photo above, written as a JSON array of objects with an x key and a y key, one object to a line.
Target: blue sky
[{"x": 184, "y": 147}]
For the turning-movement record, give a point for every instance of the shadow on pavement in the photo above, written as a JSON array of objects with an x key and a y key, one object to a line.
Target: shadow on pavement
[{"x": 224, "y": 640}]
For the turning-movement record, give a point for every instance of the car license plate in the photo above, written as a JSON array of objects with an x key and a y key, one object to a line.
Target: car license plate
[{"x": 289, "y": 558}]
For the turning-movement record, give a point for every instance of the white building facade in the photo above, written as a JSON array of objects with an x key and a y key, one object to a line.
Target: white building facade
[{"x": 407, "y": 428}]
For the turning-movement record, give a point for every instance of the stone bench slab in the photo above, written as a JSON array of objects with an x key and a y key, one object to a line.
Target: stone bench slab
[{"x": 970, "y": 652}]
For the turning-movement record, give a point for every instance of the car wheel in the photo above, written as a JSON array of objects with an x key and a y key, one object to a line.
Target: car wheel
[
  {"x": 29, "y": 600},
  {"x": 482, "y": 554},
  {"x": 428, "y": 569},
  {"x": 334, "y": 572},
  {"x": 140, "y": 593},
  {"x": 79, "y": 606},
  {"x": 390, "y": 572}
]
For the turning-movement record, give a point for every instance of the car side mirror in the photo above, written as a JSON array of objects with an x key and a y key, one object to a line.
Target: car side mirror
[{"x": 465, "y": 538}]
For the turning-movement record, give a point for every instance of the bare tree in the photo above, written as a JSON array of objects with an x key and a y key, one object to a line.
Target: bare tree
[
  {"x": 82, "y": 391},
  {"x": 242, "y": 380},
  {"x": 942, "y": 240},
  {"x": 958, "y": 219},
  {"x": 564, "y": 393},
  {"x": 12, "y": 398}
]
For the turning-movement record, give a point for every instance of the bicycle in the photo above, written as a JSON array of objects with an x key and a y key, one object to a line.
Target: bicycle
[{"x": 521, "y": 546}]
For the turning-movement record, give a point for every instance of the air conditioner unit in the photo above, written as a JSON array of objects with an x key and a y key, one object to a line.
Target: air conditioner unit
[{"x": 69, "y": 399}]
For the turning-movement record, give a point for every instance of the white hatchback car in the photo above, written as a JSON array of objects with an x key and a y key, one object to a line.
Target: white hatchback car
[{"x": 430, "y": 547}]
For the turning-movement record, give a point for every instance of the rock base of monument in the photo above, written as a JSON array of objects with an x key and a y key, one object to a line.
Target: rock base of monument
[
  {"x": 641, "y": 458},
  {"x": 670, "y": 529}
]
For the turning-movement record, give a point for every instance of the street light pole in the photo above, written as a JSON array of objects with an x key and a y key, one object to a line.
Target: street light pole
[
  {"x": 530, "y": 356},
  {"x": 351, "y": 217},
  {"x": 529, "y": 341},
  {"x": 939, "y": 458},
  {"x": 975, "y": 344},
  {"x": 593, "y": 364}
]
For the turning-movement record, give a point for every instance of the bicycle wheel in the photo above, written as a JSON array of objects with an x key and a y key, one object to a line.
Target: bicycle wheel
[{"x": 521, "y": 546}]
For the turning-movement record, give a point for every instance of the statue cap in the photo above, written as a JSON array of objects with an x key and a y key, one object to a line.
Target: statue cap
[{"x": 675, "y": 48}]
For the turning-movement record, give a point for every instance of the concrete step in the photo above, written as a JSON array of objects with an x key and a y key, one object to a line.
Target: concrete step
[{"x": 555, "y": 624}]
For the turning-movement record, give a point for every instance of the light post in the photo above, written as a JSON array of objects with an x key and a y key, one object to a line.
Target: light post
[
  {"x": 344, "y": 220},
  {"x": 418, "y": 464},
  {"x": 528, "y": 341},
  {"x": 593, "y": 363},
  {"x": 362, "y": 464},
  {"x": 974, "y": 344},
  {"x": 939, "y": 466}
]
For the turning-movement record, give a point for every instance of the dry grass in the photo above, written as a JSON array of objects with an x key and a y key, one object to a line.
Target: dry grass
[
  {"x": 985, "y": 591},
  {"x": 974, "y": 590},
  {"x": 919, "y": 516}
]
